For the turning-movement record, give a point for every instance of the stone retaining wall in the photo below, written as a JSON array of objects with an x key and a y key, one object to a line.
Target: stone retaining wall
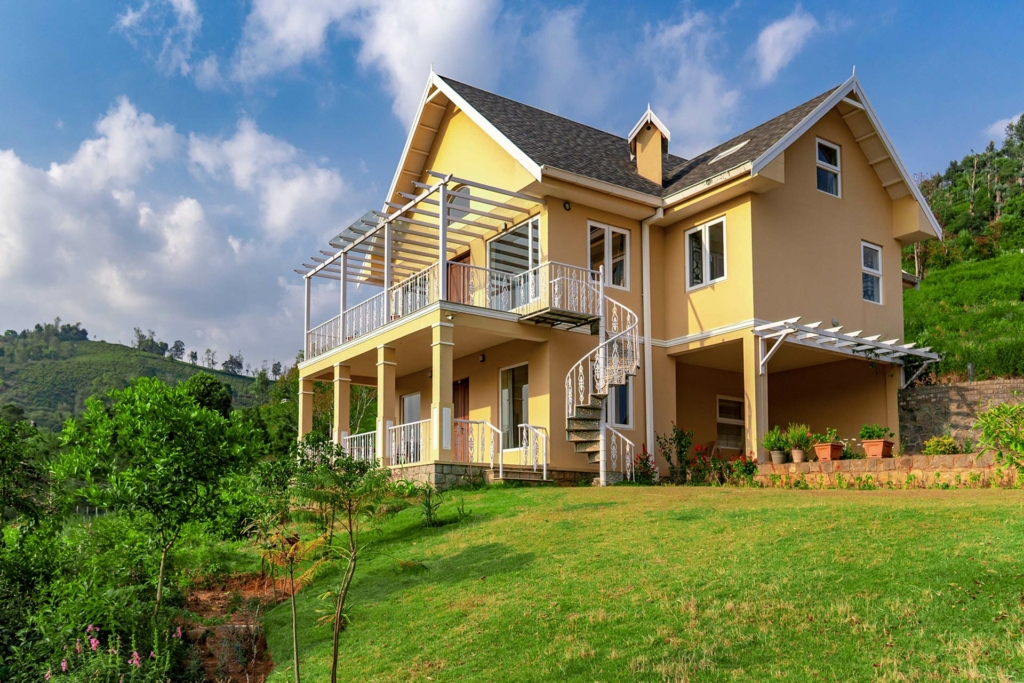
[
  {"x": 940, "y": 409},
  {"x": 909, "y": 471},
  {"x": 445, "y": 475}
]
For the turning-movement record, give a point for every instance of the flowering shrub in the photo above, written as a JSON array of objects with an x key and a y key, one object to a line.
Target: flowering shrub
[
  {"x": 90, "y": 660},
  {"x": 644, "y": 471},
  {"x": 707, "y": 469}
]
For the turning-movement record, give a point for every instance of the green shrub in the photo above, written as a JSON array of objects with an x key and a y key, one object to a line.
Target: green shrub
[
  {"x": 675, "y": 448},
  {"x": 775, "y": 440},
  {"x": 940, "y": 445},
  {"x": 799, "y": 436},
  {"x": 831, "y": 435},
  {"x": 875, "y": 432},
  {"x": 1002, "y": 430}
]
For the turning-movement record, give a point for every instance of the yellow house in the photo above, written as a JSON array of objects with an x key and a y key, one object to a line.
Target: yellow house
[{"x": 536, "y": 295}]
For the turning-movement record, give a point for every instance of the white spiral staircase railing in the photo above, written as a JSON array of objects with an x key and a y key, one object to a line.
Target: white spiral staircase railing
[{"x": 615, "y": 359}]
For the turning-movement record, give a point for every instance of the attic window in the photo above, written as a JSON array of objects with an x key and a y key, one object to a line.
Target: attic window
[{"x": 725, "y": 153}]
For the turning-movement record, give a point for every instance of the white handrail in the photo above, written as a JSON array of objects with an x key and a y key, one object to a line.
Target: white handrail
[
  {"x": 478, "y": 441},
  {"x": 621, "y": 453},
  {"x": 415, "y": 292},
  {"x": 408, "y": 442},
  {"x": 324, "y": 337},
  {"x": 361, "y": 446},
  {"x": 365, "y": 317},
  {"x": 533, "y": 447}
]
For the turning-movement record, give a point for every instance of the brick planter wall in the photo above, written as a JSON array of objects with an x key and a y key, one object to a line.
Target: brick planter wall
[
  {"x": 975, "y": 469},
  {"x": 941, "y": 409}
]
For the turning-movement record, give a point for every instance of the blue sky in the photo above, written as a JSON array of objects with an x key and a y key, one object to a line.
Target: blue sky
[{"x": 166, "y": 163}]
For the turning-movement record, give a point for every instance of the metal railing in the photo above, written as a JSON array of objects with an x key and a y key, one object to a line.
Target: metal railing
[
  {"x": 559, "y": 286},
  {"x": 621, "y": 453},
  {"x": 415, "y": 292},
  {"x": 361, "y": 446},
  {"x": 365, "y": 317},
  {"x": 478, "y": 442},
  {"x": 533, "y": 447},
  {"x": 480, "y": 287},
  {"x": 324, "y": 337},
  {"x": 408, "y": 443}
]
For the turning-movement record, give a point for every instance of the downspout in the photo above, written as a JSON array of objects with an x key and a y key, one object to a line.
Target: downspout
[{"x": 645, "y": 226}]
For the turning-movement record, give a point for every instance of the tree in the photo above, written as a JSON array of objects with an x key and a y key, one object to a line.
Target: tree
[
  {"x": 209, "y": 392},
  {"x": 154, "y": 454},
  {"x": 210, "y": 358},
  {"x": 193, "y": 357},
  {"x": 177, "y": 351},
  {"x": 234, "y": 364},
  {"x": 261, "y": 386},
  {"x": 354, "y": 491},
  {"x": 148, "y": 343},
  {"x": 275, "y": 369},
  {"x": 289, "y": 551},
  {"x": 22, "y": 480}
]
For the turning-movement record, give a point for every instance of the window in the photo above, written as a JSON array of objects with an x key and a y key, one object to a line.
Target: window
[
  {"x": 871, "y": 272},
  {"x": 459, "y": 197},
  {"x": 620, "y": 404},
  {"x": 828, "y": 168},
  {"x": 730, "y": 423},
  {"x": 517, "y": 250},
  {"x": 705, "y": 254},
  {"x": 609, "y": 247},
  {"x": 515, "y": 395},
  {"x": 410, "y": 408}
]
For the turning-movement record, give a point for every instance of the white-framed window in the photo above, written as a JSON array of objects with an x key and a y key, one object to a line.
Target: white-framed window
[
  {"x": 829, "y": 168},
  {"x": 705, "y": 254},
  {"x": 515, "y": 403},
  {"x": 730, "y": 423},
  {"x": 871, "y": 272},
  {"x": 459, "y": 197},
  {"x": 620, "y": 405},
  {"x": 609, "y": 247},
  {"x": 410, "y": 408}
]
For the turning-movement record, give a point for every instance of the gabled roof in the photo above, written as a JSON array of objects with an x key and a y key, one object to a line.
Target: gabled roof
[{"x": 544, "y": 142}]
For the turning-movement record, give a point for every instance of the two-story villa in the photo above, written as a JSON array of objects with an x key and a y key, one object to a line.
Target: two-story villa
[{"x": 536, "y": 293}]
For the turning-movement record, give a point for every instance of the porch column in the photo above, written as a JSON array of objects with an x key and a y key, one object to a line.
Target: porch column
[
  {"x": 386, "y": 367},
  {"x": 441, "y": 406},
  {"x": 893, "y": 382},
  {"x": 442, "y": 244},
  {"x": 755, "y": 394},
  {"x": 342, "y": 402},
  {"x": 305, "y": 323},
  {"x": 305, "y": 406}
]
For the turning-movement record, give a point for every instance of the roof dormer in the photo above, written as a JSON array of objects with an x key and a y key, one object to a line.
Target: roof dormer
[{"x": 648, "y": 143}]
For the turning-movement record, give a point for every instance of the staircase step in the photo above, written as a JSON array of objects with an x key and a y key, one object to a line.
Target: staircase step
[
  {"x": 593, "y": 457},
  {"x": 588, "y": 413},
  {"x": 577, "y": 436},
  {"x": 576, "y": 424},
  {"x": 592, "y": 447}
]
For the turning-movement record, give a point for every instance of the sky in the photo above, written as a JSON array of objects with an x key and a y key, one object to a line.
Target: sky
[{"x": 165, "y": 164}]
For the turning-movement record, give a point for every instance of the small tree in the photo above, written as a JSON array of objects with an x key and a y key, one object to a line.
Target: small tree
[
  {"x": 275, "y": 369},
  {"x": 675, "y": 448},
  {"x": 288, "y": 552},
  {"x": 210, "y": 358},
  {"x": 177, "y": 350},
  {"x": 22, "y": 481},
  {"x": 193, "y": 357},
  {"x": 155, "y": 454},
  {"x": 234, "y": 364},
  {"x": 261, "y": 386},
  {"x": 209, "y": 392}
]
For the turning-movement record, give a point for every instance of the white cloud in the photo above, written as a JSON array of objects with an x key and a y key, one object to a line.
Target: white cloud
[
  {"x": 208, "y": 74},
  {"x": 998, "y": 129},
  {"x": 173, "y": 24},
  {"x": 399, "y": 38},
  {"x": 691, "y": 96},
  {"x": 781, "y": 41},
  {"x": 293, "y": 196},
  {"x": 93, "y": 239}
]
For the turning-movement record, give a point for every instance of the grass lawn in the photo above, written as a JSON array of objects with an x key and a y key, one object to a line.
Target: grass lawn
[{"x": 684, "y": 584}]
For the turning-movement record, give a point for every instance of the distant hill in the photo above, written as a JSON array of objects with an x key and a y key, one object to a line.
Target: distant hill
[
  {"x": 971, "y": 312},
  {"x": 50, "y": 374}
]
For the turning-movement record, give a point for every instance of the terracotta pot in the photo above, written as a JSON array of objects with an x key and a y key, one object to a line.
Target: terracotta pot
[
  {"x": 798, "y": 455},
  {"x": 828, "y": 451},
  {"x": 878, "y": 448},
  {"x": 779, "y": 457}
]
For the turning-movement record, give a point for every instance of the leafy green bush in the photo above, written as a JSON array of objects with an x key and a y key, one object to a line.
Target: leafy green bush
[
  {"x": 941, "y": 445},
  {"x": 675, "y": 448},
  {"x": 875, "y": 432},
  {"x": 1002, "y": 429},
  {"x": 799, "y": 437},
  {"x": 775, "y": 440},
  {"x": 831, "y": 435}
]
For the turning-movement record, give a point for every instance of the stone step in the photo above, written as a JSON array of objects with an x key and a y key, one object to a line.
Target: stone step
[
  {"x": 522, "y": 476},
  {"x": 586, "y": 447},
  {"x": 588, "y": 412},
  {"x": 582, "y": 436},
  {"x": 583, "y": 425}
]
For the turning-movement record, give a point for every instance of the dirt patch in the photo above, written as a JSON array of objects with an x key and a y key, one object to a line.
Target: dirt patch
[{"x": 226, "y": 628}]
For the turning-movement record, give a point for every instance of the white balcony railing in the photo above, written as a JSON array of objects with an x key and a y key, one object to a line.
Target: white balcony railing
[
  {"x": 408, "y": 443},
  {"x": 361, "y": 446},
  {"x": 621, "y": 453},
  {"x": 533, "y": 447},
  {"x": 365, "y": 317},
  {"x": 480, "y": 287},
  {"x": 323, "y": 338},
  {"x": 478, "y": 442},
  {"x": 415, "y": 292}
]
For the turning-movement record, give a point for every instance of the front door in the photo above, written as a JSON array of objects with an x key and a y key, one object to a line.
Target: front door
[{"x": 460, "y": 399}]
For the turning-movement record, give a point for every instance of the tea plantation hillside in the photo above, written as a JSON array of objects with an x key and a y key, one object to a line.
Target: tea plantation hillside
[
  {"x": 971, "y": 312},
  {"x": 51, "y": 382}
]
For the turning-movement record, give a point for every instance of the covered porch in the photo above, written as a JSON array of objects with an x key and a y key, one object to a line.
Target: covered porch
[{"x": 731, "y": 389}]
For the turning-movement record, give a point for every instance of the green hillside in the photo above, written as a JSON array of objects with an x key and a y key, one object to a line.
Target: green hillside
[
  {"x": 50, "y": 378},
  {"x": 972, "y": 312}
]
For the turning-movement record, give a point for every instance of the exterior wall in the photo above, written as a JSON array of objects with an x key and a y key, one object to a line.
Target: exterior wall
[
  {"x": 724, "y": 303},
  {"x": 920, "y": 471},
  {"x": 844, "y": 395},
  {"x": 952, "y": 409},
  {"x": 697, "y": 388},
  {"x": 806, "y": 243}
]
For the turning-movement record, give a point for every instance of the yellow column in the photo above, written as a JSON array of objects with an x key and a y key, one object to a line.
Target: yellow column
[
  {"x": 305, "y": 406},
  {"x": 893, "y": 382},
  {"x": 441, "y": 406},
  {"x": 342, "y": 402},
  {"x": 386, "y": 367},
  {"x": 755, "y": 395}
]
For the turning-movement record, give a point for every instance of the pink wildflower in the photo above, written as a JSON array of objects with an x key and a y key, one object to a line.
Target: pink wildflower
[
  {"x": 78, "y": 645},
  {"x": 63, "y": 665},
  {"x": 47, "y": 676},
  {"x": 177, "y": 633},
  {"x": 135, "y": 660},
  {"x": 94, "y": 643},
  {"x": 152, "y": 655}
]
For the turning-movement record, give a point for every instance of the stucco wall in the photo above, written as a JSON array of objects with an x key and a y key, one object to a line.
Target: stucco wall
[
  {"x": 951, "y": 409},
  {"x": 697, "y": 389}
]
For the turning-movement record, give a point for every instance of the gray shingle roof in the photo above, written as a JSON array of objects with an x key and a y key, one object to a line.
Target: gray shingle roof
[{"x": 555, "y": 141}]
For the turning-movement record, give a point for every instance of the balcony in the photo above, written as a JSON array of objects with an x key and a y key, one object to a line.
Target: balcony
[{"x": 407, "y": 258}]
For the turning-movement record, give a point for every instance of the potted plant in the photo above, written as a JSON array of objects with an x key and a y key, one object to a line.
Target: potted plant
[
  {"x": 775, "y": 443},
  {"x": 799, "y": 437},
  {"x": 827, "y": 446},
  {"x": 876, "y": 441}
]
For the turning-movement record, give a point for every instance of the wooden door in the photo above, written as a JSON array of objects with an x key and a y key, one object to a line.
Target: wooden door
[{"x": 460, "y": 397}]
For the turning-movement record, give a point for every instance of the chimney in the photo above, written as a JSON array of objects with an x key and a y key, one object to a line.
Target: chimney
[{"x": 648, "y": 143}]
